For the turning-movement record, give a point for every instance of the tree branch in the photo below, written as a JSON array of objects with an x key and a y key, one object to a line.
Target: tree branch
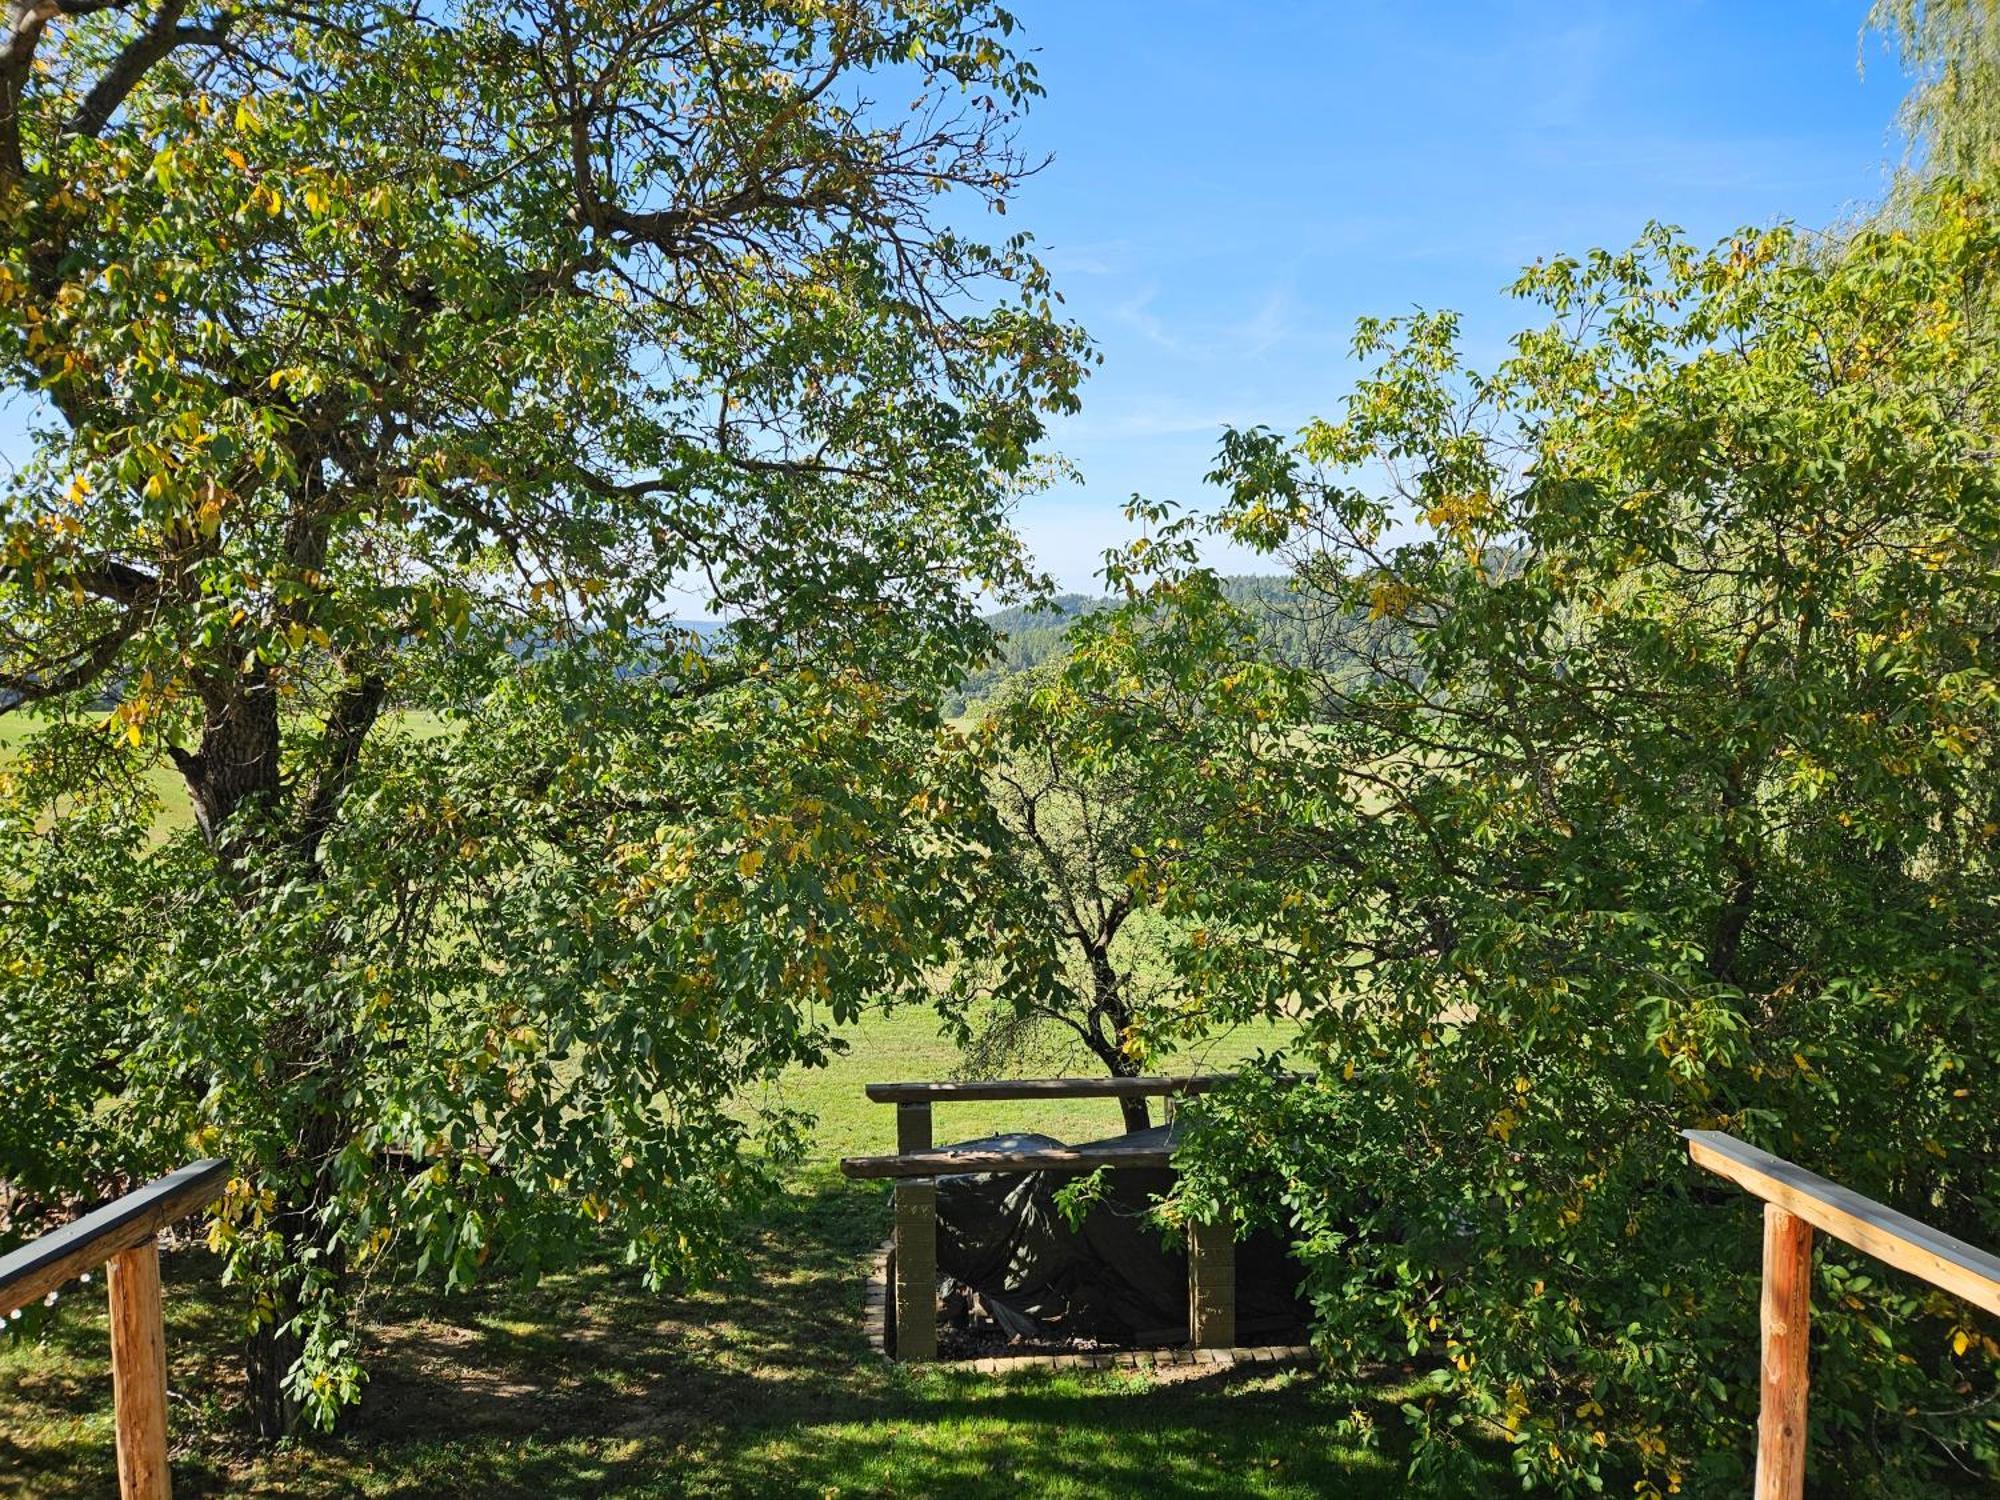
[
  {"x": 161, "y": 36},
  {"x": 353, "y": 714}
]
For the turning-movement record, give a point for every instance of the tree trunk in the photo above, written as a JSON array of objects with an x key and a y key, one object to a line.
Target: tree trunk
[
  {"x": 237, "y": 761},
  {"x": 274, "y": 1348},
  {"x": 1109, "y": 1016},
  {"x": 1137, "y": 1115},
  {"x": 237, "y": 766},
  {"x": 269, "y": 1353}
]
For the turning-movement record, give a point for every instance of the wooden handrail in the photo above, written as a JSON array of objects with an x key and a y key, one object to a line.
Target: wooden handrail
[
  {"x": 125, "y": 1233},
  {"x": 965, "y": 1090},
  {"x": 1795, "y": 1203},
  {"x": 37, "y": 1268},
  {"x": 1907, "y": 1244}
]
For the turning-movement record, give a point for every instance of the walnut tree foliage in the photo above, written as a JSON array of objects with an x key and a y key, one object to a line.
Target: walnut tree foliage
[
  {"x": 394, "y": 371},
  {"x": 1667, "y": 800}
]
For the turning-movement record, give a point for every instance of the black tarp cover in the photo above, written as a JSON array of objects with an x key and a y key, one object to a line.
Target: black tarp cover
[{"x": 1114, "y": 1278}]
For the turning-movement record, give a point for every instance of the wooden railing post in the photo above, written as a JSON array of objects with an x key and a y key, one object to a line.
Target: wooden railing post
[
  {"x": 1796, "y": 1202},
  {"x": 913, "y": 1127},
  {"x": 123, "y": 1234},
  {"x": 139, "y": 1373},
  {"x": 1212, "y": 1285},
  {"x": 916, "y": 1243},
  {"x": 1787, "y": 1317}
]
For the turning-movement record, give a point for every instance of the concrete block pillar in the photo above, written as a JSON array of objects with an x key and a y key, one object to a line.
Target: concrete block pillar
[
  {"x": 916, "y": 1243},
  {"x": 1212, "y": 1286}
]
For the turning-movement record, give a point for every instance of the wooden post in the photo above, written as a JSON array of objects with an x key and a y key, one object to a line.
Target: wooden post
[
  {"x": 139, "y": 1373},
  {"x": 1212, "y": 1286},
  {"x": 916, "y": 1242},
  {"x": 1787, "y": 1317}
]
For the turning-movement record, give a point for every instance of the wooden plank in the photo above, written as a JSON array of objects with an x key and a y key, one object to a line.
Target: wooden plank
[
  {"x": 40, "y": 1266},
  {"x": 1045, "y": 1088},
  {"x": 916, "y": 1270},
  {"x": 1787, "y": 1326},
  {"x": 1907, "y": 1244},
  {"x": 1211, "y": 1286},
  {"x": 949, "y": 1163},
  {"x": 139, "y": 1374}
]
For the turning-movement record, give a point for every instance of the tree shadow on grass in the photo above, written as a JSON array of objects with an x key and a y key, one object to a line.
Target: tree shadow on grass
[
  {"x": 590, "y": 1385},
  {"x": 595, "y": 1351}
]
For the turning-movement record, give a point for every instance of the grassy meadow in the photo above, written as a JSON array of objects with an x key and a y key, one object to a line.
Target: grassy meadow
[{"x": 589, "y": 1385}]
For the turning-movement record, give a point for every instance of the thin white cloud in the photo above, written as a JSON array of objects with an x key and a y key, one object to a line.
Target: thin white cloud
[
  {"x": 1095, "y": 258},
  {"x": 1153, "y": 420},
  {"x": 1135, "y": 313},
  {"x": 1269, "y": 326},
  {"x": 1275, "y": 320}
]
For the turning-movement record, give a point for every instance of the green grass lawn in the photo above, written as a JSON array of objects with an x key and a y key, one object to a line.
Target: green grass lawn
[
  {"x": 904, "y": 1045},
  {"x": 589, "y": 1385}
]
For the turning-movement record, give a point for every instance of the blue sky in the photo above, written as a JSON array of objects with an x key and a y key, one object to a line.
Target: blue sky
[{"x": 1234, "y": 183}]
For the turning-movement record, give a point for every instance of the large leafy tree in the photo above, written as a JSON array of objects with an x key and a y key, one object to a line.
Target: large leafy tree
[
  {"x": 390, "y": 364},
  {"x": 1664, "y": 797}
]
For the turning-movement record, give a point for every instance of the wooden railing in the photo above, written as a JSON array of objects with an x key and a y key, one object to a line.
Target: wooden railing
[
  {"x": 1796, "y": 1202},
  {"x": 916, "y": 1166},
  {"x": 1151, "y": 1087},
  {"x": 124, "y": 1233}
]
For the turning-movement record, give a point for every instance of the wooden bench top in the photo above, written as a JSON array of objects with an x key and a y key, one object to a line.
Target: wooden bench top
[
  {"x": 1042, "y": 1088},
  {"x": 1147, "y": 1151}
]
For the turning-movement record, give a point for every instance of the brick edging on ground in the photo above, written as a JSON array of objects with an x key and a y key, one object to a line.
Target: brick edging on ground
[{"x": 875, "y": 1299}]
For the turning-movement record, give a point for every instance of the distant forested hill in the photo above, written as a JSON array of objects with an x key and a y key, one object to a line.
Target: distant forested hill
[
  {"x": 1292, "y": 628},
  {"x": 1025, "y": 638}
]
